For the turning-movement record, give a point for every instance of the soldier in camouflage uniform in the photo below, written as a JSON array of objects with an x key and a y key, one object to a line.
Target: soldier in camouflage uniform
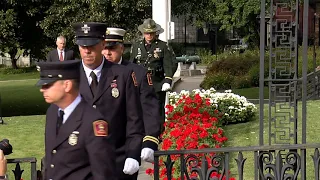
[{"x": 156, "y": 57}]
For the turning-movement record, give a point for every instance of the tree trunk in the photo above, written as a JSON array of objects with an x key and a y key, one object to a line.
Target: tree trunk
[
  {"x": 13, "y": 58},
  {"x": 14, "y": 63}
]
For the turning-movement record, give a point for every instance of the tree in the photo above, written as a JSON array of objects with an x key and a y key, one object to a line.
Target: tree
[
  {"x": 63, "y": 13},
  {"x": 20, "y": 30},
  {"x": 239, "y": 15}
]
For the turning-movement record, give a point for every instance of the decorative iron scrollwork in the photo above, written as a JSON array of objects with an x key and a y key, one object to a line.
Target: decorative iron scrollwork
[{"x": 279, "y": 168}]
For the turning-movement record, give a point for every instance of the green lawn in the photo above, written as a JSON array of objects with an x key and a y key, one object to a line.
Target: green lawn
[
  {"x": 21, "y": 98},
  {"x": 251, "y": 93},
  {"x": 26, "y": 134},
  {"x": 28, "y": 75},
  {"x": 247, "y": 134}
]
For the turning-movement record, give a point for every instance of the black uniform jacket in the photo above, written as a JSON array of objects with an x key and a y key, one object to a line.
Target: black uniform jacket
[
  {"x": 78, "y": 151},
  {"x": 122, "y": 112},
  {"x": 149, "y": 104}
]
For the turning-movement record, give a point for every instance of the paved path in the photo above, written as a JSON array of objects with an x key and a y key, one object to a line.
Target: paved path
[{"x": 189, "y": 83}]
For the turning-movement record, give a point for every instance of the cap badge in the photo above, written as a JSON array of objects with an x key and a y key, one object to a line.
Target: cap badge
[{"x": 85, "y": 28}]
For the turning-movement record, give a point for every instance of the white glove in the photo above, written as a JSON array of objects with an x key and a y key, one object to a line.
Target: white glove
[
  {"x": 131, "y": 166},
  {"x": 147, "y": 155},
  {"x": 165, "y": 87}
]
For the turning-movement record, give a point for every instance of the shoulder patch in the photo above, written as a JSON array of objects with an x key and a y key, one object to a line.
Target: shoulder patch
[
  {"x": 149, "y": 79},
  {"x": 134, "y": 79},
  {"x": 100, "y": 128}
]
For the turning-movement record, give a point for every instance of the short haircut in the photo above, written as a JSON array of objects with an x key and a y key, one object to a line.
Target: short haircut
[{"x": 62, "y": 38}]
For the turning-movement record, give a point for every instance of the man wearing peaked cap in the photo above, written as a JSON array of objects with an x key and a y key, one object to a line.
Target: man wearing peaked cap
[
  {"x": 89, "y": 34},
  {"x": 73, "y": 128},
  {"x": 110, "y": 88},
  {"x": 149, "y": 103},
  {"x": 154, "y": 55}
]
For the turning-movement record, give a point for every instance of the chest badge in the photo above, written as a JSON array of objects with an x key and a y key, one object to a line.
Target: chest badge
[
  {"x": 156, "y": 55},
  {"x": 73, "y": 138},
  {"x": 114, "y": 91}
]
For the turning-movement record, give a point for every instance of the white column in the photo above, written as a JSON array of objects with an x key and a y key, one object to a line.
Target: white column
[{"x": 162, "y": 15}]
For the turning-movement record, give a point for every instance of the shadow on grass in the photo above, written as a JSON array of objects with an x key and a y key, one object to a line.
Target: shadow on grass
[{"x": 19, "y": 98}]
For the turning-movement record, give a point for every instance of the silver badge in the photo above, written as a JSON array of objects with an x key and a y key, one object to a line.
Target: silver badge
[
  {"x": 85, "y": 28},
  {"x": 139, "y": 51},
  {"x": 73, "y": 138},
  {"x": 115, "y": 92}
]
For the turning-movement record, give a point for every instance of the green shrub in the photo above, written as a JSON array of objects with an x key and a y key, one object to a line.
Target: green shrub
[
  {"x": 240, "y": 82},
  {"x": 206, "y": 56},
  {"x": 219, "y": 80},
  {"x": 22, "y": 70},
  {"x": 254, "y": 75},
  {"x": 234, "y": 64}
]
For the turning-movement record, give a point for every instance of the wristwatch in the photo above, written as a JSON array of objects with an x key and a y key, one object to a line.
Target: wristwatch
[{"x": 2, "y": 177}]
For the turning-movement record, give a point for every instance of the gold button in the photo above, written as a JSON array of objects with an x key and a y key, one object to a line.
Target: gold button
[
  {"x": 52, "y": 166},
  {"x": 54, "y": 151}
]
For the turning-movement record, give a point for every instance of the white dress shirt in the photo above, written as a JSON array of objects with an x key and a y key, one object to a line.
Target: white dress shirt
[
  {"x": 68, "y": 110},
  {"x": 97, "y": 71}
]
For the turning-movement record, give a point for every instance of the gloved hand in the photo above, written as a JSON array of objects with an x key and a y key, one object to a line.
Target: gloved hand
[
  {"x": 147, "y": 155},
  {"x": 131, "y": 166},
  {"x": 165, "y": 87}
]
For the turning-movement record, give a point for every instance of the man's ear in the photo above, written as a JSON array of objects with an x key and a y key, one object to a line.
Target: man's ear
[{"x": 68, "y": 85}]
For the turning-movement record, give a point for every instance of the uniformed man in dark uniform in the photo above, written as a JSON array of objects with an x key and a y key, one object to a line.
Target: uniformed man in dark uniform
[
  {"x": 113, "y": 52},
  {"x": 110, "y": 88},
  {"x": 77, "y": 141},
  {"x": 155, "y": 56}
]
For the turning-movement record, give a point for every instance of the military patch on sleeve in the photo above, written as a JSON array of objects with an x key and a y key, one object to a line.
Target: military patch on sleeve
[
  {"x": 149, "y": 79},
  {"x": 134, "y": 79},
  {"x": 100, "y": 128}
]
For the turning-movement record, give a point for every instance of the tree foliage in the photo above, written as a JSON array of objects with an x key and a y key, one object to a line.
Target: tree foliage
[
  {"x": 63, "y": 13},
  {"x": 20, "y": 30},
  {"x": 239, "y": 15}
]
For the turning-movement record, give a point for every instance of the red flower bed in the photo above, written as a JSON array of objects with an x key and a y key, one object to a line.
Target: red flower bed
[{"x": 192, "y": 123}]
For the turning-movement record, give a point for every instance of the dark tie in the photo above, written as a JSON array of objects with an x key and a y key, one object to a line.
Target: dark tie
[
  {"x": 60, "y": 120},
  {"x": 148, "y": 46},
  {"x": 94, "y": 83}
]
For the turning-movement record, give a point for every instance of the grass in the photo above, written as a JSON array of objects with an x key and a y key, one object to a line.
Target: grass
[
  {"x": 250, "y": 93},
  {"x": 26, "y": 134},
  {"x": 18, "y": 74},
  {"x": 247, "y": 134},
  {"x": 28, "y": 75},
  {"x": 21, "y": 98}
]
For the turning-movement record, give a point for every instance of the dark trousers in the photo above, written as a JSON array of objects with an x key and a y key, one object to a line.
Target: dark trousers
[
  {"x": 130, "y": 177},
  {"x": 161, "y": 95}
]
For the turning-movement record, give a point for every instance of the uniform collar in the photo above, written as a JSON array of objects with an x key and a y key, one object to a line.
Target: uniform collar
[
  {"x": 120, "y": 60},
  {"x": 97, "y": 71},
  {"x": 68, "y": 110}
]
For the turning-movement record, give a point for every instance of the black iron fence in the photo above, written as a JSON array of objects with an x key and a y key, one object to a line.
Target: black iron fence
[
  {"x": 17, "y": 172},
  {"x": 278, "y": 162}
]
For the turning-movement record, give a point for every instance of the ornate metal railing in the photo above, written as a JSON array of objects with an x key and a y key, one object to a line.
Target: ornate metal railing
[
  {"x": 313, "y": 86},
  {"x": 17, "y": 172},
  {"x": 278, "y": 162}
]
